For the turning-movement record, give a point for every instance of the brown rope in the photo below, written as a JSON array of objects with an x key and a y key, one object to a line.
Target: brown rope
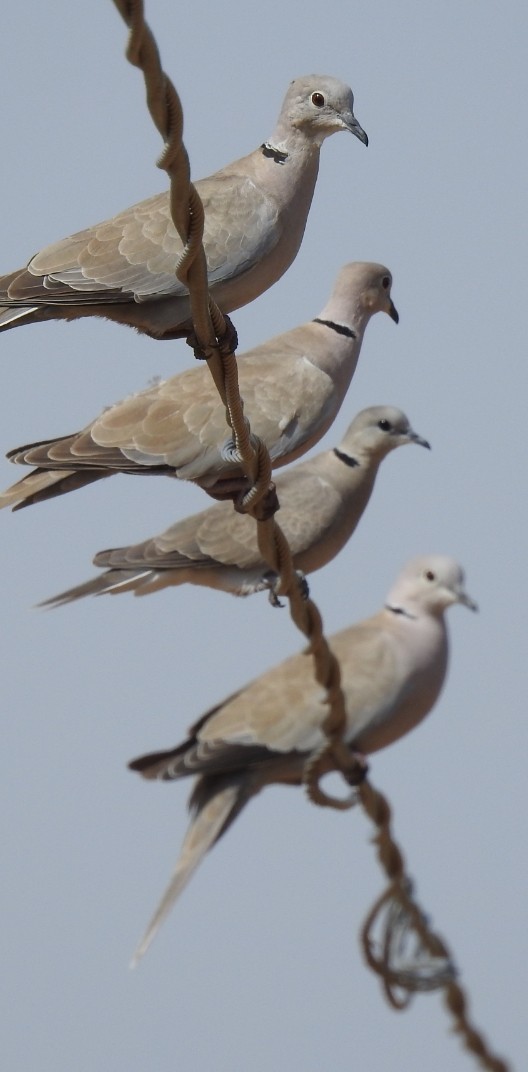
[
  {"x": 186, "y": 208},
  {"x": 395, "y": 911},
  {"x": 429, "y": 966},
  {"x": 214, "y": 336}
]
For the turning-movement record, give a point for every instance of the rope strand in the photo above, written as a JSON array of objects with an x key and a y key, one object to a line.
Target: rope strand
[
  {"x": 188, "y": 218},
  {"x": 395, "y": 912}
]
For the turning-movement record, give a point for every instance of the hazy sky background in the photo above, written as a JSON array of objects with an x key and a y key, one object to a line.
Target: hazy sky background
[{"x": 259, "y": 965}]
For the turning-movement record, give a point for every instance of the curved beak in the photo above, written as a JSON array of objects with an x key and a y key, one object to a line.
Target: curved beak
[
  {"x": 350, "y": 122},
  {"x": 415, "y": 438},
  {"x": 393, "y": 312},
  {"x": 467, "y": 601}
]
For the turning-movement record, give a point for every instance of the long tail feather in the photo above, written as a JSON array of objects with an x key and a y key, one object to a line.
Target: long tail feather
[
  {"x": 11, "y": 315},
  {"x": 45, "y": 484},
  {"x": 112, "y": 582},
  {"x": 205, "y": 829},
  {"x": 31, "y": 486}
]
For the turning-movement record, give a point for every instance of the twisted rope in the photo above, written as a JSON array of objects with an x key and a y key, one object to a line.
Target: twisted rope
[
  {"x": 398, "y": 915},
  {"x": 214, "y": 336},
  {"x": 429, "y": 964}
]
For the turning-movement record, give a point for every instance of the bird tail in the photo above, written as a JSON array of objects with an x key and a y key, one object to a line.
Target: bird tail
[
  {"x": 215, "y": 802},
  {"x": 11, "y": 316},
  {"x": 44, "y": 484},
  {"x": 113, "y": 581}
]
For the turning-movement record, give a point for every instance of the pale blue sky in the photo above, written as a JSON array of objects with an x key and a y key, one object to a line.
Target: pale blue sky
[{"x": 259, "y": 965}]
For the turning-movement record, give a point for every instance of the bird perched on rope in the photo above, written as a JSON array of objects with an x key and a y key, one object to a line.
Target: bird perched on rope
[
  {"x": 321, "y": 502},
  {"x": 255, "y": 214},
  {"x": 292, "y": 386},
  {"x": 393, "y": 666}
]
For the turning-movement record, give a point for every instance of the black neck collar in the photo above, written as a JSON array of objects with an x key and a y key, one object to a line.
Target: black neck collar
[
  {"x": 340, "y": 328},
  {"x": 346, "y": 458},
  {"x": 400, "y": 610},
  {"x": 277, "y": 154}
]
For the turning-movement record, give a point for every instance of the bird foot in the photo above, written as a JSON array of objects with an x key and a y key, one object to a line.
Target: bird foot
[
  {"x": 274, "y": 584},
  {"x": 226, "y": 344},
  {"x": 274, "y": 599},
  {"x": 268, "y": 505},
  {"x": 233, "y": 488},
  {"x": 304, "y": 587}
]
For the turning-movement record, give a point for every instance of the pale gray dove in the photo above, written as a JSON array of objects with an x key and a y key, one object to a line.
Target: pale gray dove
[
  {"x": 321, "y": 502},
  {"x": 255, "y": 215},
  {"x": 293, "y": 386},
  {"x": 393, "y": 667}
]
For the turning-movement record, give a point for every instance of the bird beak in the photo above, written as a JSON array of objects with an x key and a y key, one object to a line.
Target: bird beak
[
  {"x": 350, "y": 123},
  {"x": 393, "y": 312},
  {"x": 415, "y": 438},
  {"x": 467, "y": 601}
]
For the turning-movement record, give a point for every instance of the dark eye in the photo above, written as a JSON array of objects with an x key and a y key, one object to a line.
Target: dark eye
[
  {"x": 385, "y": 426},
  {"x": 429, "y": 575},
  {"x": 385, "y": 282},
  {"x": 318, "y": 100}
]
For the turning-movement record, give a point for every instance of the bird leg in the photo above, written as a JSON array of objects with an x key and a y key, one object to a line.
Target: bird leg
[{"x": 232, "y": 487}]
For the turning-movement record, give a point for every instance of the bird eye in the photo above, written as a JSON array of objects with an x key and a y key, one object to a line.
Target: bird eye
[
  {"x": 385, "y": 282},
  {"x": 385, "y": 425},
  {"x": 429, "y": 575},
  {"x": 318, "y": 100}
]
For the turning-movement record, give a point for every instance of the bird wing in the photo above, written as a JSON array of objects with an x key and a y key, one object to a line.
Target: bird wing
[
  {"x": 284, "y": 709},
  {"x": 180, "y": 423},
  {"x": 134, "y": 254}
]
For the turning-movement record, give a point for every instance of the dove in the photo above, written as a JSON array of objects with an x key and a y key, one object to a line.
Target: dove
[
  {"x": 393, "y": 667},
  {"x": 321, "y": 502},
  {"x": 293, "y": 386},
  {"x": 255, "y": 215}
]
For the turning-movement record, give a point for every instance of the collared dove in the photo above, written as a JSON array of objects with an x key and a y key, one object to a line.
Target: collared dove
[
  {"x": 255, "y": 214},
  {"x": 321, "y": 503},
  {"x": 393, "y": 667},
  {"x": 293, "y": 386}
]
